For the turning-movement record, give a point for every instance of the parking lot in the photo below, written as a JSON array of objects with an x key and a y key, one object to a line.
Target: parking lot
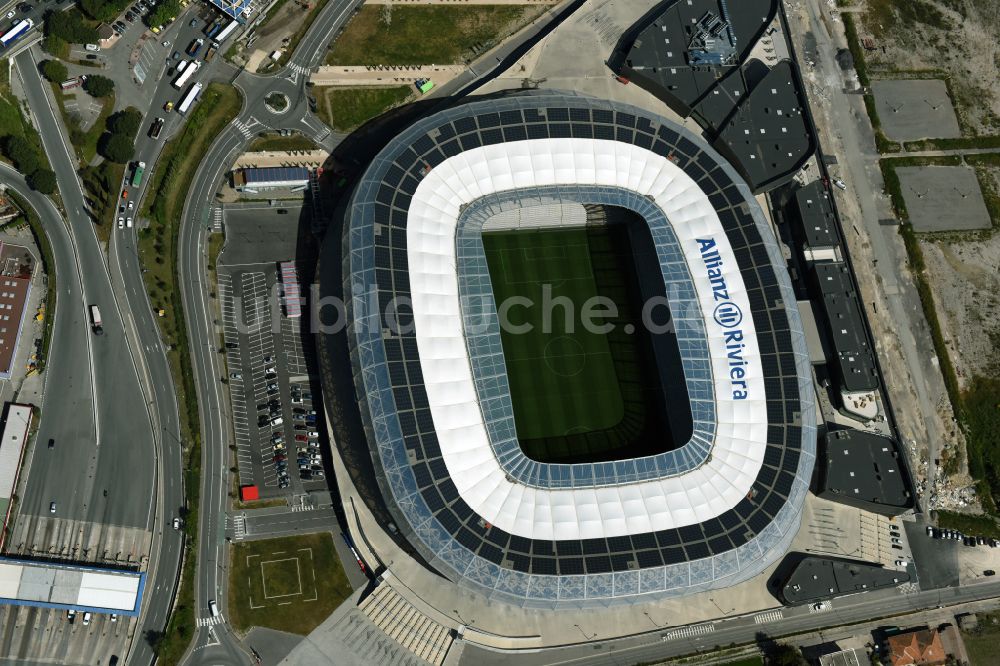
[{"x": 278, "y": 430}]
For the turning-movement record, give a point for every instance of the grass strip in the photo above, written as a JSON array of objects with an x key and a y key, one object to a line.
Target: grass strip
[
  {"x": 158, "y": 249},
  {"x": 290, "y": 584},
  {"x": 48, "y": 264},
  {"x": 345, "y": 109},
  {"x": 273, "y": 142},
  {"x": 423, "y": 35},
  {"x": 958, "y": 143},
  {"x": 971, "y": 525}
]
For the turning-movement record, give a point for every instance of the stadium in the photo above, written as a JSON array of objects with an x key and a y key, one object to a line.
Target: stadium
[{"x": 549, "y": 462}]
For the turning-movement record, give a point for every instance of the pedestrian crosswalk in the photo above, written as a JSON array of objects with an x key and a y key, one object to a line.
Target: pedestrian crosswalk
[
  {"x": 217, "y": 220},
  {"x": 303, "y": 507},
  {"x": 209, "y": 621},
  {"x": 687, "y": 632},
  {"x": 239, "y": 527},
  {"x": 297, "y": 68},
  {"x": 244, "y": 128},
  {"x": 769, "y": 616}
]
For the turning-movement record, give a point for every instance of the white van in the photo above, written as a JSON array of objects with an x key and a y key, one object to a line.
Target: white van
[
  {"x": 92, "y": 47},
  {"x": 213, "y": 608}
]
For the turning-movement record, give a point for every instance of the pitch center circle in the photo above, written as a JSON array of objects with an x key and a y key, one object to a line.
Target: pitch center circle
[{"x": 565, "y": 356}]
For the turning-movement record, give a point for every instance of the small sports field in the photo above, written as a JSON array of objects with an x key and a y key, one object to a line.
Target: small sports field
[
  {"x": 291, "y": 584},
  {"x": 564, "y": 380}
]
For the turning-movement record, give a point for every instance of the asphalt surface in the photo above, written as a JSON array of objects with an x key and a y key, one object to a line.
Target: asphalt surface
[
  {"x": 121, "y": 459},
  {"x": 113, "y": 443},
  {"x": 666, "y": 642}
]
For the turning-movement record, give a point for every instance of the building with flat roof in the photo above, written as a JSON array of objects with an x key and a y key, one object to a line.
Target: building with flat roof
[
  {"x": 256, "y": 179},
  {"x": 434, "y": 390},
  {"x": 16, "y": 425},
  {"x": 819, "y": 224},
  {"x": 70, "y": 586},
  {"x": 811, "y": 578},
  {"x": 16, "y": 267},
  {"x": 854, "y": 361},
  {"x": 864, "y": 470}
]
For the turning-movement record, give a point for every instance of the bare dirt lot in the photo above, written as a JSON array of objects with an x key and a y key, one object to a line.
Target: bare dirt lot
[
  {"x": 965, "y": 270},
  {"x": 957, "y": 38}
]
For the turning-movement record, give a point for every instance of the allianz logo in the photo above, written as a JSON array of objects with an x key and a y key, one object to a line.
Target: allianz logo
[{"x": 728, "y": 316}]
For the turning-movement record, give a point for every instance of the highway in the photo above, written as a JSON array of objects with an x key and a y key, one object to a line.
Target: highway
[
  {"x": 122, "y": 458},
  {"x": 116, "y": 448}
]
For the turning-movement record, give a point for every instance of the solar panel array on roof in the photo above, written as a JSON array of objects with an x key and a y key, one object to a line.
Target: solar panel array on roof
[
  {"x": 263, "y": 175},
  {"x": 390, "y": 383},
  {"x": 855, "y": 362}
]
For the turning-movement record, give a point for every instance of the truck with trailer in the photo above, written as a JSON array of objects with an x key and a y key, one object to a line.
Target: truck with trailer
[
  {"x": 225, "y": 32},
  {"x": 18, "y": 30},
  {"x": 189, "y": 98},
  {"x": 186, "y": 75},
  {"x": 95, "y": 320}
]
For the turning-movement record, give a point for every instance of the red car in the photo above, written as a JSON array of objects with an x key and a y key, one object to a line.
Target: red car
[{"x": 301, "y": 438}]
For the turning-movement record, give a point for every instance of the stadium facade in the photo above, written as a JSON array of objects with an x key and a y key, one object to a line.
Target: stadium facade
[{"x": 432, "y": 386}]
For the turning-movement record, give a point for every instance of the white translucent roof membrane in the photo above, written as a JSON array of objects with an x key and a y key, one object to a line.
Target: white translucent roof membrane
[{"x": 581, "y": 513}]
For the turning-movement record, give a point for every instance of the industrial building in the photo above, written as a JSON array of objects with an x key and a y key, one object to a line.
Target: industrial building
[
  {"x": 854, "y": 361},
  {"x": 16, "y": 268},
  {"x": 813, "y": 578},
  {"x": 864, "y": 470},
  {"x": 16, "y": 425},
  {"x": 697, "y": 57},
  {"x": 70, "y": 587},
  {"x": 433, "y": 397}
]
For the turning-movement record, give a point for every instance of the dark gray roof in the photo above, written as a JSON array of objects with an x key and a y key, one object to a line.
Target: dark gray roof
[
  {"x": 819, "y": 225},
  {"x": 864, "y": 470},
  {"x": 816, "y": 578},
  {"x": 754, "y": 113},
  {"x": 768, "y": 138},
  {"x": 845, "y": 324},
  {"x": 659, "y": 60}
]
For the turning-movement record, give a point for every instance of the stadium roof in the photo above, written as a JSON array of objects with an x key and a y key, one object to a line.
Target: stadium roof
[
  {"x": 435, "y": 399},
  {"x": 48, "y": 585}
]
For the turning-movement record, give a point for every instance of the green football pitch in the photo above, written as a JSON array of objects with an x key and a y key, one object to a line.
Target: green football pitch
[{"x": 564, "y": 380}]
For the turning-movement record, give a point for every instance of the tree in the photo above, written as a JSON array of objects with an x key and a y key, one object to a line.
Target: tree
[
  {"x": 21, "y": 153},
  {"x": 54, "y": 71},
  {"x": 117, "y": 147},
  {"x": 70, "y": 27},
  {"x": 784, "y": 654},
  {"x": 56, "y": 46},
  {"x": 43, "y": 180},
  {"x": 103, "y": 10},
  {"x": 126, "y": 121},
  {"x": 99, "y": 86},
  {"x": 166, "y": 10}
]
